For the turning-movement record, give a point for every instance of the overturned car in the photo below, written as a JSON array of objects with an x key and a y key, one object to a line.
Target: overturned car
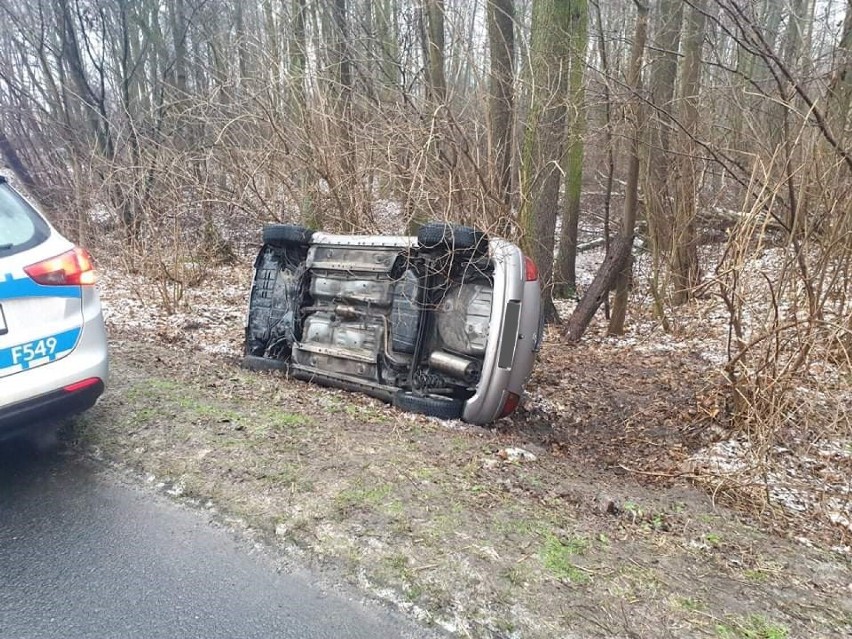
[{"x": 446, "y": 323}]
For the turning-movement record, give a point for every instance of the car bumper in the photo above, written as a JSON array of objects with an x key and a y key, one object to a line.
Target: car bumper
[
  {"x": 510, "y": 352},
  {"x": 17, "y": 419},
  {"x": 40, "y": 394}
]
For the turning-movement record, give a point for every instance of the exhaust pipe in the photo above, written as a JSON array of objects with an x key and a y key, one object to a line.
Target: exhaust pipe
[{"x": 456, "y": 366}]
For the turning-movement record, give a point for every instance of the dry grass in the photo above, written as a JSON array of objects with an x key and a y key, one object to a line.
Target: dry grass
[{"x": 430, "y": 515}]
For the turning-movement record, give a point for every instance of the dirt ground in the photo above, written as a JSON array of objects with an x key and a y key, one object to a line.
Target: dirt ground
[{"x": 578, "y": 517}]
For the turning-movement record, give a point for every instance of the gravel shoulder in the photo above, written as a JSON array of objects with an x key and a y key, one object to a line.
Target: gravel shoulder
[{"x": 503, "y": 532}]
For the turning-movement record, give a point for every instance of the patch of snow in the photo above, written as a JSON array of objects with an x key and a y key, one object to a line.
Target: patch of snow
[
  {"x": 176, "y": 490},
  {"x": 100, "y": 215},
  {"x": 398, "y": 600},
  {"x": 794, "y": 482},
  {"x": 515, "y": 455}
]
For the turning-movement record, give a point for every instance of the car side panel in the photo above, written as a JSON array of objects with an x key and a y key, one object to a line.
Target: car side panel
[{"x": 45, "y": 311}]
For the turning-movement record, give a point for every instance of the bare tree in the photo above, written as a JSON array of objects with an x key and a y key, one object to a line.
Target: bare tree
[
  {"x": 663, "y": 57},
  {"x": 544, "y": 137},
  {"x": 501, "y": 38},
  {"x": 566, "y": 268},
  {"x": 616, "y": 268},
  {"x": 686, "y": 270}
]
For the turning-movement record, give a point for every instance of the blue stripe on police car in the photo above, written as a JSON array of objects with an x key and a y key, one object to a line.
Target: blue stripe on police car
[{"x": 11, "y": 288}]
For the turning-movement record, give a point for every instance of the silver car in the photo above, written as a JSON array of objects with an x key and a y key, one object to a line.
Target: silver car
[
  {"x": 446, "y": 323},
  {"x": 53, "y": 346}
]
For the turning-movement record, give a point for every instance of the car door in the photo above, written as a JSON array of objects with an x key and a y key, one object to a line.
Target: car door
[{"x": 41, "y": 312}]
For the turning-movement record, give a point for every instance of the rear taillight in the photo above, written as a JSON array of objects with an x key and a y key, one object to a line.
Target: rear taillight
[
  {"x": 78, "y": 386},
  {"x": 530, "y": 270},
  {"x": 74, "y": 267},
  {"x": 511, "y": 403}
]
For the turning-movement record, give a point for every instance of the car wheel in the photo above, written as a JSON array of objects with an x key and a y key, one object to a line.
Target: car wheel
[
  {"x": 431, "y": 405},
  {"x": 439, "y": 235},
  {"x": 286, "y": 235}
]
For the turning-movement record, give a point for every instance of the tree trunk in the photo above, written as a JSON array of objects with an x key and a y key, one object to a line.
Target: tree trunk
[
  {"x": 384, "y": 15},
  {"x": 242, "y": 49},
  {"x": 566, "y": 272},
  {"x": 781, "y": 113},
  {"x": 613, "y": 265},
  {"x": 501, "y": 37},
  {"x": 663, "y": 56},
  {"x": 436, "y": 88},
  {"x": 14, "y": 161},
  {"x": 636, "y": 115},
  {"x": 298, "y": 49},
  {"x": 177, "y": 18},
  {"x": 347, "y": 183},
  {"x": 609, "y": 140},
  {"x": 544, "y": 140},
  {"x": 438, "y": 170},
  {"x": 273, "y": 45},
  {"x": 617, "y": 264},
  {"x": 94, "y": 104},
  {"x": 839, "y": 93},
  {"x": 687, "y": 275}
]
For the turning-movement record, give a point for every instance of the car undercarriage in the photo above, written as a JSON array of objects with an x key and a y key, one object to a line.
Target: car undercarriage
[{"x": 407, "y": 321}]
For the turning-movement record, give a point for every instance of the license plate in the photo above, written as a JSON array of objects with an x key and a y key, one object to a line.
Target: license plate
[
  {"x": 3, "y": 327},
  {"x": 39, "y": 351}
]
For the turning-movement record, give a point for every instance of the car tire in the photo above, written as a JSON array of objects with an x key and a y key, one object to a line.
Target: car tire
[
  {"x": 431, "y": 405},
  {"x": 287, "y": 235},
  {"x": 443, "y": 236}
]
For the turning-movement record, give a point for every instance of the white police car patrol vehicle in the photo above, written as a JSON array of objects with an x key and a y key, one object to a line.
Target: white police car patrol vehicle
[{"x": 53, "y": 345}]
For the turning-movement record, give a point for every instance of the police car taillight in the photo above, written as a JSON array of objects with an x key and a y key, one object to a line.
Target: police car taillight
[{"x": 74, "y": 267}]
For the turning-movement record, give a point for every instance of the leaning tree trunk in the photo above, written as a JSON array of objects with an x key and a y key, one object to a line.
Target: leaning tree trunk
[
  {"x": 617, "y": 265},
  {"x": 636, "y": 114}
]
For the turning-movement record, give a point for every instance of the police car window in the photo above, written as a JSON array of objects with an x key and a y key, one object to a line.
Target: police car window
[{"x": 20, "y": 226}]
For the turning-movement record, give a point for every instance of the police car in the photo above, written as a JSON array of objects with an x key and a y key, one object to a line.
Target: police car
[{"x": 53, "y": 345}]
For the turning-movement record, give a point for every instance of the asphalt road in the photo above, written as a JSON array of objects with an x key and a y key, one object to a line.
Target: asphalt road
[{"x": 83, "y": 555}]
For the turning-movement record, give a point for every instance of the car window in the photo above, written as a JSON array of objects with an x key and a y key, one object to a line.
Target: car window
[{"x": 21, "y": 227}]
